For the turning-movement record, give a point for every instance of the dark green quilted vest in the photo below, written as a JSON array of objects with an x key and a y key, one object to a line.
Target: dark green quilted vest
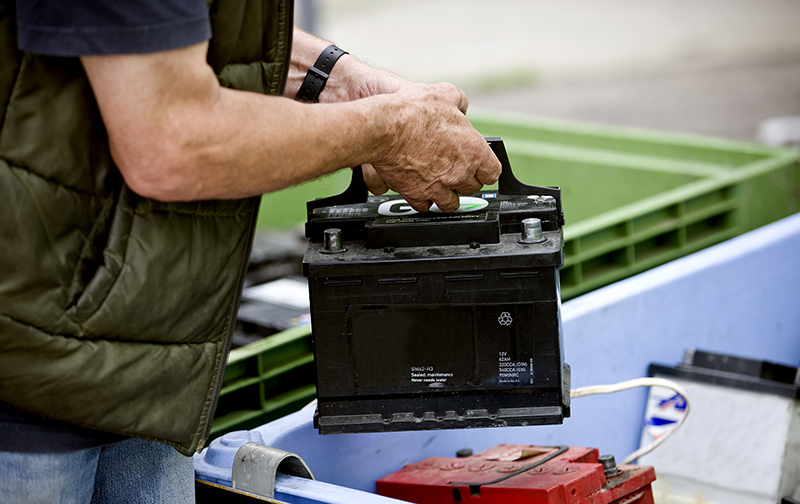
[{"x": 116, "y": 310}]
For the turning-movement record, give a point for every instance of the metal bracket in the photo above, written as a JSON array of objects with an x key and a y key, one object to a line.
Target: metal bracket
[{"x": 255, "y": 467}]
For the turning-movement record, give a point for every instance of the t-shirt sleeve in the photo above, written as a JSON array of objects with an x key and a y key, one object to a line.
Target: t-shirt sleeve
[{"x": 95, "y": 27}]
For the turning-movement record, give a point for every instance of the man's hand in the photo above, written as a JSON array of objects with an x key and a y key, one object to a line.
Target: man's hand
[
  {"x": 353, "y": 80},
  {"x": 435, "y": 154}
]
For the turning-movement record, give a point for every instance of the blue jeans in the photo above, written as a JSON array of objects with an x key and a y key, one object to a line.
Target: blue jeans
[{"x": 130, "y": 471}]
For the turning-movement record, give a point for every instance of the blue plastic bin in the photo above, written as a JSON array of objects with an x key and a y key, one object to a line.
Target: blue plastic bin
[{"x": 741, "y": 297}]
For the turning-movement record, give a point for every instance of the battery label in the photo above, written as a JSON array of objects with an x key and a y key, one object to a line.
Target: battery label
[
  {"x": 510, "y": 371},
  {"x": 470, "y": 207},
  {"x": 429, "y": 375},
  {"x": 415, "y": 347},
  {"x": 427, "y": 218},
  {"x": 346, "y": 211}
]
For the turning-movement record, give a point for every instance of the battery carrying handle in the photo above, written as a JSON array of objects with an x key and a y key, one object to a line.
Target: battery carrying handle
[
  {"x": 357, "y": 191},
  {"x": 509, "y": 184}
]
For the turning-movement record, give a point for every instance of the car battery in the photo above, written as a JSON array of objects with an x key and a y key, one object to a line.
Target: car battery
[
  {"x": 511, "y": 474},
  {"x": 433, "y": 320}
]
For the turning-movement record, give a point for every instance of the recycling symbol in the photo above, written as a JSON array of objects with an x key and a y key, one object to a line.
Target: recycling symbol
[{"x": 505, "y": 319}]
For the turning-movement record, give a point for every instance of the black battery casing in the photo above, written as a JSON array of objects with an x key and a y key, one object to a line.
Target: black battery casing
[{"x": 431, "y": 321}]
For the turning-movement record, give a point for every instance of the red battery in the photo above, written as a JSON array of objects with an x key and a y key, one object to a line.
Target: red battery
[{"x": 521, "y": 474}]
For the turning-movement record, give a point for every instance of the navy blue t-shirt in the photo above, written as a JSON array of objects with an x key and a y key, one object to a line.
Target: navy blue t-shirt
[
  {"x": 93, "y": 27},
  {"x": 90, "y": 27}
]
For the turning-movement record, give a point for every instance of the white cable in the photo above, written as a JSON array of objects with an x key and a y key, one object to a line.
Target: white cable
[{"x": 638, "y": 382}]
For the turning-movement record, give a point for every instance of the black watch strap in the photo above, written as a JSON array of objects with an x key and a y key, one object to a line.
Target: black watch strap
[{"x": 317, "y": 75}]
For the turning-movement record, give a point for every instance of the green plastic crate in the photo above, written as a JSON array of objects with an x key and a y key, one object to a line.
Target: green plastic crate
[
  {"x": 633, "y": 199},
  {"x": 266, "y": 380}
]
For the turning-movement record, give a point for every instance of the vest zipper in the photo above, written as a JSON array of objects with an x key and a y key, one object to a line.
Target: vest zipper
[
  {"x": 288, "y": 36},
  {"x": 232, "y": 323},
  {"x": 287, "y": 40}
]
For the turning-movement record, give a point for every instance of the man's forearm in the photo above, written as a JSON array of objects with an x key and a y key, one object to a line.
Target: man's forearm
[
  {"x": 259, "y": 144},
  {"x": 177, "y": 135},
  {"x": 178, "y": 138}
]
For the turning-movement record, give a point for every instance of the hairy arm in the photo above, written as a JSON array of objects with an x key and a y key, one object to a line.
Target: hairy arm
[
  {"x": 177, "y": 135},
  {"x": 350, "y": 78}
]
